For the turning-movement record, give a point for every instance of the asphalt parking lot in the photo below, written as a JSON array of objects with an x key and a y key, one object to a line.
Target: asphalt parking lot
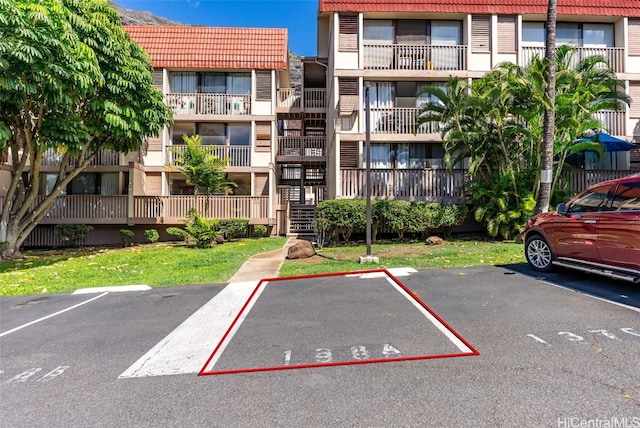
[{"x": 329, "y": 351}]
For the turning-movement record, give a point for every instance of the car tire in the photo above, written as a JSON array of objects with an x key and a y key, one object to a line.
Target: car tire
[{"x": 538, "y": 253}]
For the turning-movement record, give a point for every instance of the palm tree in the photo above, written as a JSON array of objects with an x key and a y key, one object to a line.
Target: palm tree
[
  {"x": 203, "y": 170},
  {"x": 546, "y": 171}
]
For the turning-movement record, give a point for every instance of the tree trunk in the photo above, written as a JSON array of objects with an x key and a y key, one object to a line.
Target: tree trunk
[{"x": 546, "y": 173}]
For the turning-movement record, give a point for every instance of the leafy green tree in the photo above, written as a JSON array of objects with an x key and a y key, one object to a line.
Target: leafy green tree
[
  {"x": 496, "y": 124},
  {"x": 72, "y": 83}
]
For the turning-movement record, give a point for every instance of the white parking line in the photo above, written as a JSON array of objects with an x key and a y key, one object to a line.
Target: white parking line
[
  {"x": 443, "y": 329},
  {"x": 186, "y": 349},
  {"x": 52, "y": 315}
]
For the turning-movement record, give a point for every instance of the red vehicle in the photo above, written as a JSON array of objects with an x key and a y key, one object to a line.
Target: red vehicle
[{"x": 598, "y": 231}]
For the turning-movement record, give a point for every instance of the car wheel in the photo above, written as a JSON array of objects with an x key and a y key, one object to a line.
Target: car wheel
[{"x": 538, "y": 253}]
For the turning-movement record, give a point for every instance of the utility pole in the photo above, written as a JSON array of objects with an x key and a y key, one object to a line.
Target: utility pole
[{"x": 368, "y": 258}]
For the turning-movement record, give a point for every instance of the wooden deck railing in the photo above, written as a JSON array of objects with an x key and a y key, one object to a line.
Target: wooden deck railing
[
  {"x": 411, "y": 184},
  {"x": 114, "y": 209},
  {"x": 422, "y": 184},
  {"x": 415, "y": 57},
  {"x": 615, "y": 56},
  {"x": 204, "y": 103}
]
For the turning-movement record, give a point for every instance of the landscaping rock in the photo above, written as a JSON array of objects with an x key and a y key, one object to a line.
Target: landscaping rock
[
  {"x": 301, "y": 250},
  {"x": 434, "y": 240}
]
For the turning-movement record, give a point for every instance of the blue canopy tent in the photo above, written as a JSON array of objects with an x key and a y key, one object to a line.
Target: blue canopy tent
[{"x": 610, "y": 144}]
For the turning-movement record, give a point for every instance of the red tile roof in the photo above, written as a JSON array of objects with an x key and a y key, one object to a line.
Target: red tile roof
[
  {"x": 213, "y": 47},
  {"x": 629, "y": 8}
]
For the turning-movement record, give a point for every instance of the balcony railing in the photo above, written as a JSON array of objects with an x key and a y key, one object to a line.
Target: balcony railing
[
  {"x": 612, "y": 121},
  {"x": 292, "y": 98},
  {"x": 103, "y": 158},
  {"x": 415, "y": 57},
  {"x": 615, "y": 56},
  {"x": 410, "y": 184},
  {"x": 209, "y": 104},
  {"x": 399, "y": 121},
  {"x": 114, "y": 209},
  {"x": 238, "y": 155},
  {"x": 301, "y": 146}
]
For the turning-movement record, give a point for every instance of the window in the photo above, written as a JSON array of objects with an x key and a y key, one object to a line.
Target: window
[
  {"x": 570, "y": 33},
  {"x": 239, "y": 134},
  {"x": 627, "y": 197},
  {"x": 86, "y": 183},
  {"x": 183, "y": 82},
  {"x": 404, "y": 155},
  {"x": 533, "y": 34},
  {"x": 590, "y": 202},
  {"x": 213, "y": 133}
]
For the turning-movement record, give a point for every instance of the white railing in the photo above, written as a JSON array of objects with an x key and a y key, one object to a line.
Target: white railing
[
  {"x": 292, "y": 98},
  {"x": 615, "y": 56},
  {"x": 210, "y": 104},
  {"x": 415, "y": 57},
  {"x": 315, "y": 98},
  {"x": 399, "y": 121},
  {"x": 288, "y": 98},
  {"x": 612, "y": 121},
  {"x": 237, "y": 155},
  {"x": 103, "y": 158},
  {"x": 301, "y": 146}
]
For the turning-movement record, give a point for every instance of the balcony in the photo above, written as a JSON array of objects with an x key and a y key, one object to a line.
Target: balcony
[
  {"x": 612, "y": 121},
  {"x": 238, "y": 155},
  {"x": 415, "y": 57},
  {"x": 410, "y": 184},
  {"x": 399, "y": 121},
  {"x": 301, "y": 149},
  {"x": 209, "y": 104},
  {"x": 615, "y": 56},
  {"x": 309, "y": 99},
  {"x": 103, "y": 158},
  {"x": 115, "y": 209}
]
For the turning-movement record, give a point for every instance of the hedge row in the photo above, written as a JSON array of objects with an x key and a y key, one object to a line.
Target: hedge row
[{"x": 342, "y": 217}]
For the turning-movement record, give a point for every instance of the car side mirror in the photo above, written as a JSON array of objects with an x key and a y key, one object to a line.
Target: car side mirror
[{"x": 562, "y": 208}]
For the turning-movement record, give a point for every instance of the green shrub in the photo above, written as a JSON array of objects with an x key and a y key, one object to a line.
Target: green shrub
[
  {"x": 151, "y": 235},
  {"x": 260, "y": 231},
  {"x": 344, "y": 216},
  {"x": 198, "y": 231},
  {"x": 231, "y": 228},
  {"x": 126, "y": 236},
  {"x": 70, "y": 235}
]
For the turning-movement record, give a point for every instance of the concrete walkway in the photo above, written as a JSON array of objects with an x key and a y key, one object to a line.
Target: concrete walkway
[{"x": 263, "y": 265}]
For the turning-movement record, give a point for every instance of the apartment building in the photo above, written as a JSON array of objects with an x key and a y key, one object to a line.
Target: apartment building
[
  {"x": 222, "y": 84},
  {"x": 291, "y": 146},
  {"x": 388, "y": 50}
]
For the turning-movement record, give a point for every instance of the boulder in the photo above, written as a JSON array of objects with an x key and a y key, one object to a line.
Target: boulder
[
  {"x": 434, "y": 240},
  {"x": 301, "y": 250}
]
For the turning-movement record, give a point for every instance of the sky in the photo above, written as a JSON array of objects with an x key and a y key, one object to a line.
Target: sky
[{"x": 298, "y": 16}]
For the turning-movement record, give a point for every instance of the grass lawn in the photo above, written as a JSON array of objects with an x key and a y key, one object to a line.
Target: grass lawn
[
  {"x": 451, "y": 254},
  {"x": 165, "y": 264},
  {"x": 153, "y": 264}
]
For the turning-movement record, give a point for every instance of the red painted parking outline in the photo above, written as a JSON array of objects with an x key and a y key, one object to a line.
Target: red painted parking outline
[{"x": 263, "y": 283}]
